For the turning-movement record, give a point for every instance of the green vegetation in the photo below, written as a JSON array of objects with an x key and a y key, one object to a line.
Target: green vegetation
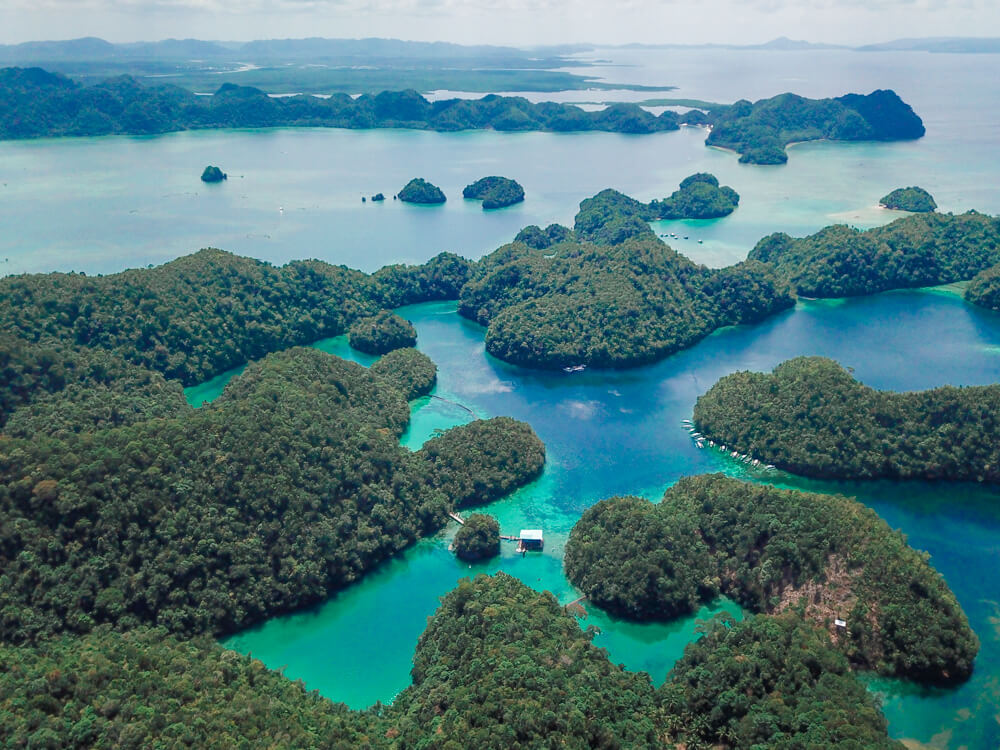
[
  {"x": 192, "y": 318},
  {"x": 699, "y": 197},
  {"x": 770, "y": 549},
  {"x": 913, "y": 199},
  {"x": 770, "y": 682},
  {"x": 914, "y": 251},
  {"x": 39, "y": 103},
  {"x": 494, "y": 192},
  {"x": 498, "y": 666},
  {"x": 146, "y": 688},
  {"x": 213, "y": 174},
  {"x": 410, "y": 372},
  {"x": 610, "y": 218},
  {"x": 502, "y": 666},
  {"x": 418, "y": 190},
  {"x": 985, "y": 288},
  {"x": 539, "y": 239},
  {"x": 289, "y": 486},
  {"x": 381, "y": 333},
  {"x": 759, "y": 131},
  {"x": 85, "y": 406},
  {"x": 478, "y": 538},
  {"x": 483, "y": 460},
  {"x": 609, "y": 293},
  {"x": 811, "y": 417}
]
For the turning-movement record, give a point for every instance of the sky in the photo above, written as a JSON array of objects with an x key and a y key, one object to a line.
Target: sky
[{"x": 515, "y": 22}]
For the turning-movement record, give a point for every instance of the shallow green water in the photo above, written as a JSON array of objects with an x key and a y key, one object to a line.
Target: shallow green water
[
  {"x": 100, "y": 205},
  {"x": 611, "y": 433}
]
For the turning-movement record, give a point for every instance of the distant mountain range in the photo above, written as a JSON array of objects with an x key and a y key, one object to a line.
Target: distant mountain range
[
  {"x": 784, "y": 44},
  {"x": 938, "y": 44},
  {"x": 92, "y": 49}
]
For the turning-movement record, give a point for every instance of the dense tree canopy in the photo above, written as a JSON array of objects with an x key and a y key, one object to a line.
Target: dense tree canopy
[
  {"x": 419, "y": 190},
  {"x": 985, "y": 288},
  {"x": 919, "y": 250},
  {"x": 194, "y": 317},
  {"x": 381, "y": 333},
  {"x": 699, "y": 197},
  {"x": 611, "y": 306},
  {"x": 146, "y": 688},
  {"x": 759, "y": 131},
  {"x": 478, "y": 538},
  {"x": 289, "y": 486},
  {"x": 498, "y": 666},
  {"x": 770, "y": 682},
  {"x": 773, "y": 549},
  {"x": 502, "y": 666},
  {"x": 213, "y": 174},
  {"x": 494, "y": 192},
  {"x": 811, "y": 417},
  {"x": 408, "y": 371},
  {"x": 535, "y": 237},
  {"x": 913, "y": 199},
  {"x": 39, "y": 103}
]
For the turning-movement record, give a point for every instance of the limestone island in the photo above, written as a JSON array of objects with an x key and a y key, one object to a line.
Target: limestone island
[
  {"x": 478, "y": 538},
  {"x": 985, "y": 288},
  {"x": 699, "y": 197},
  {"x": 759, "y": 131},
  {"x": 213, "y": 174},
  {"x": 494, "y": 192},
  {"x": 826, "y": 558},
  {"x": 378, "y": 197},
  {"x": 418, "y": 190},
  {"x": 382, "y": 333},
  {"x": 925, "y": 249},
  {"x": 913, "y": 199},
  {"x": 810, "y": 416},
  {"x": 607, "y": 293}
]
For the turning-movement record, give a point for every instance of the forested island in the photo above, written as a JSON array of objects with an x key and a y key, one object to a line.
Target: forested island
[
  {"x": 811, "y": 417},
  {"x": 44, "y": 104},
  {"x": 419, "y": 190},
  {"x": 39, "y": 103},
  {"x": 288, "y": 487},
  {"x": 985, "y": 288},
  {"x": 608, "y": 293},
  {"x": 478, "y": 538},
  {"x": 493, "y": 643},
  {"x": 773, "y": 550},
  {"x": 213, "y": 174},
  {"x": 494, "y": 192},
  {"x": 913, "y": 199},
  {"x": 920, "y": 250},
  {"x": 760, "y": 130},
  {"x": 192, "y": 318},
  {"x": 698, "y": 197},
  {"x": 382, "y": 333}
]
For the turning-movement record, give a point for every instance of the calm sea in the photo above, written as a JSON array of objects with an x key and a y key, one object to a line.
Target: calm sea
[{"x": 100, "y": 205}]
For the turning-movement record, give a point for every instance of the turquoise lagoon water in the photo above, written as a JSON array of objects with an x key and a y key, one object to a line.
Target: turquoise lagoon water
[
  {"x": 103, "y": 204},
  {"x": 100, "y": 205},
  {"x": 610, "y": 433}
]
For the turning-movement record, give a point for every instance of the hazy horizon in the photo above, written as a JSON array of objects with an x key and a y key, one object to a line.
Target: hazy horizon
[{"x": 501, "y": 22}]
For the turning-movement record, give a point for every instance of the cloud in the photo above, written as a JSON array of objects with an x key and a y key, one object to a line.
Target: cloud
[{"x": 502, "y": 21}]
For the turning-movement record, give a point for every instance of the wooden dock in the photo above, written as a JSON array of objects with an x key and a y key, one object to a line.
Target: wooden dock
[{"x": 457, "y": 518}]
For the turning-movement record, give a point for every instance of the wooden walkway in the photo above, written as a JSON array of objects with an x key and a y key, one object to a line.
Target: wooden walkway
[
  {"x": 457, "y": 518},
  {"x": 455, "y": 403}
]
